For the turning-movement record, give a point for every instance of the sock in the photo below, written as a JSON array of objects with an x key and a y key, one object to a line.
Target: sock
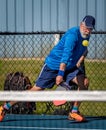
[
  {"x": 75, "y": 109},
  {"x": 7, "y": 106}
]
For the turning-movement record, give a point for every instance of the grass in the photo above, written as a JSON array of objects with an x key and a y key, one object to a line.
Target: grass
[
  {"x": 30, "y": 68},
  {"x": 96, "y": 72}
]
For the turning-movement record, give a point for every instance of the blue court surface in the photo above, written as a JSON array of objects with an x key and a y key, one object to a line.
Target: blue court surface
[{"x": 50, "y": 122}]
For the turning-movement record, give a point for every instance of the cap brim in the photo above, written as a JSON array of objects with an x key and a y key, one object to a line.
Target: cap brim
[{"x": 89, "y": 26}]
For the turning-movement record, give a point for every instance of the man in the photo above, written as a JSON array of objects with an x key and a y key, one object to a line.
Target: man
[{"x": 61, "y": 64}]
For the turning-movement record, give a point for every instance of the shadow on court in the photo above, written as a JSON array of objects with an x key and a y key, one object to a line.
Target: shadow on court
[{"x": 50, "y": 122}]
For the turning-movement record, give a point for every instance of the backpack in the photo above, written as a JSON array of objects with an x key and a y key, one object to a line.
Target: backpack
[{"x": 17, "y": 81}]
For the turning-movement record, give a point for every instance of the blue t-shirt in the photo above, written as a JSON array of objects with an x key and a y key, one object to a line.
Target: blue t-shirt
[{"x": 68, "y": 50}]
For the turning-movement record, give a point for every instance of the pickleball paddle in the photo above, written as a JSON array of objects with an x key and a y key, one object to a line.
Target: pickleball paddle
[{"x": 63, "y": 87}]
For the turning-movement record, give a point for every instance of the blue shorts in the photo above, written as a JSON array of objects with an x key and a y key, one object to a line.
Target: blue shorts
[{"x": 47, "y": 76}]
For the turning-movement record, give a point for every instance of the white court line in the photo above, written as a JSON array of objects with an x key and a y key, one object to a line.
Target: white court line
[{"x": 44, "y": 128}]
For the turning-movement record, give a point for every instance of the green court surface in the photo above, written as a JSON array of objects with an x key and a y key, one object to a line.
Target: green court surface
[{"x": 50, "y": 122}]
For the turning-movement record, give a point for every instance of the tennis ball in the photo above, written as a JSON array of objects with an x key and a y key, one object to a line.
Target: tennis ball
[{"x": 85, "y": 43}]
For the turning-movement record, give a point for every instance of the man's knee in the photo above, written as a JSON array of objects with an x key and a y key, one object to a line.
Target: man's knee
[
  {"x": 36, "y": 88},
  {"x": 82, "y": 82}
]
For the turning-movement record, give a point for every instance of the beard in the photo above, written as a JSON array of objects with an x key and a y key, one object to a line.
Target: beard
[{"x": 84, "y": 35}]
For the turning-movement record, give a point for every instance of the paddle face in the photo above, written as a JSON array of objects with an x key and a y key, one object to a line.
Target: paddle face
[
  {"x": 59, "y": 102},
  {"x": 63, "y": 87}
]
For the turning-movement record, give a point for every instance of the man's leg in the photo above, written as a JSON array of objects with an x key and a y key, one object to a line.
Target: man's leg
[
  {"x": 74, "y": 112},
  {"x": 7, "y": 105},
  {"x": 46, "y": 79}
]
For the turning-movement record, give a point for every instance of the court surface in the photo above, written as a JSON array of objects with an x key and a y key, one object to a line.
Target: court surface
[{"x": 50, "y": 122}]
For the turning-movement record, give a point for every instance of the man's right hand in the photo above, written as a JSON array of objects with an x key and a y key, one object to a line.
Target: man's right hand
[{"x": 59, "y": 79}]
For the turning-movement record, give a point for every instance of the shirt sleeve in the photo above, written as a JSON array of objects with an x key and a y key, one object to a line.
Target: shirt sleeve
[
  {"x": 70, "y": 42},
  {"x": 85, "y": 53},
  {"x": 82, "y": 68}
]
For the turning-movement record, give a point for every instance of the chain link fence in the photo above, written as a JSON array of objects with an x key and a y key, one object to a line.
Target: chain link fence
[{"x": 25, "y": 52}]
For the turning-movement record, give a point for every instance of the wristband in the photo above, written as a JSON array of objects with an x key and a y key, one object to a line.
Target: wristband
[{"x": 61, "y": 73}]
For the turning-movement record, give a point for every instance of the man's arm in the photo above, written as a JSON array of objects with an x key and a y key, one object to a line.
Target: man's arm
[
  {"x": 81, "y": 60},
  {"x": 59, "y": 78},
  {"x": 62, "y": 68}
]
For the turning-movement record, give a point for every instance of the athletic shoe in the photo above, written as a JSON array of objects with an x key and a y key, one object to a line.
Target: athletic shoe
[
  {"x": 76, "y": 116},
  {"x": 2, "y": 113}
]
